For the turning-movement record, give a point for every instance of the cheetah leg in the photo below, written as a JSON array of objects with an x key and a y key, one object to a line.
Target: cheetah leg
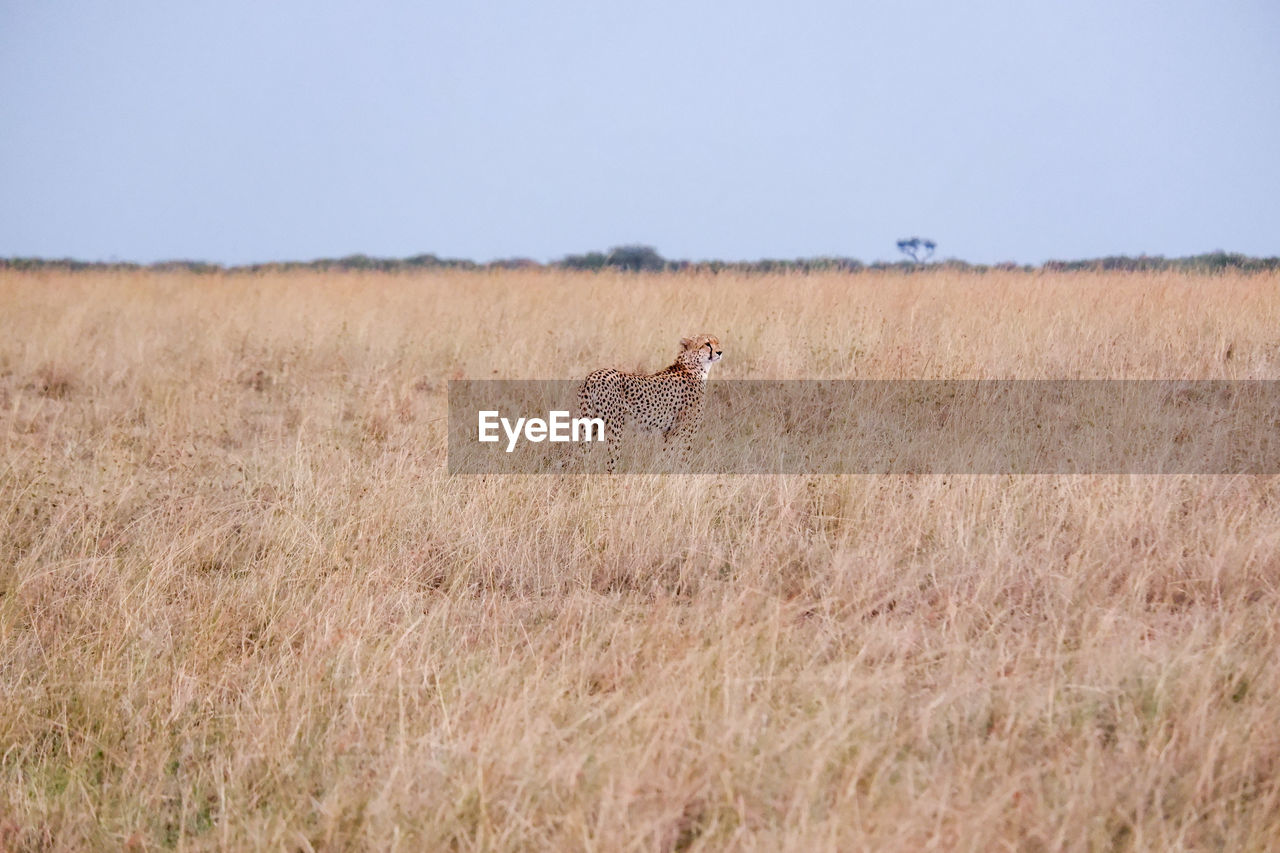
[
  {"x": 613, "y": 435},
  {"x": 679, "y": 439},
  {"x": 613, "y": 427},
  {"x": 678, "y": 447},
  {"x": 574, "y": 452},
  {"x": 586, "y": 409}
]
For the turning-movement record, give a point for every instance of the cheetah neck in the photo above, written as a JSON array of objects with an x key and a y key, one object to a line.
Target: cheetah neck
[{"x": 690, "y": 363}]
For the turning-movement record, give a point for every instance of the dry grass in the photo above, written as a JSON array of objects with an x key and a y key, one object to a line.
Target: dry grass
[{"x": 243, "y": 606}]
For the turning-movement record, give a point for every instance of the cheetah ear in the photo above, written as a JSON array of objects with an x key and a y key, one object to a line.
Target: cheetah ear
[{"x": 686, "y": 343}]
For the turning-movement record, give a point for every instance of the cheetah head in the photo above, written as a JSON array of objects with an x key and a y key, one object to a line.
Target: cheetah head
[{"x": 703, "y": 349}]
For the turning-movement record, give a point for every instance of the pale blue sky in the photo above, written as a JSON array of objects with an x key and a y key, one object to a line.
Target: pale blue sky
[{"x": 253, "y": 131}]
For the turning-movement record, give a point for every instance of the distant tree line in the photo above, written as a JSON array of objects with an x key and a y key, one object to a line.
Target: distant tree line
[
  {"x": 1209, "y": 262},
  {"x": 639, "y": 258}
]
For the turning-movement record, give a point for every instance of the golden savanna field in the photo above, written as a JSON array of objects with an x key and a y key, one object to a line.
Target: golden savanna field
[{"x": 244, "y": 606}]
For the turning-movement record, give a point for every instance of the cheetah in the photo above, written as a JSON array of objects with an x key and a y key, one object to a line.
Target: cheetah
[{"x": 669, "y": 401}]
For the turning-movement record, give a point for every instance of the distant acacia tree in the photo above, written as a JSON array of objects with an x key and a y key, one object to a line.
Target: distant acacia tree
[
  {"x": 916, "y": 248},
  {"x": 635, "y": 258}
]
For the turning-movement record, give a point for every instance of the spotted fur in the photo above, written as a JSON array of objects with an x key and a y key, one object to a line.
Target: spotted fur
[{"x": 669, "y": 402}]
